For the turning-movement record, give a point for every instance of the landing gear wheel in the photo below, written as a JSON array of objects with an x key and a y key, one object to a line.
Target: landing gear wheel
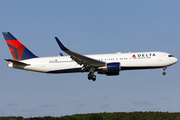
[
  {"x": 164, "y": 73},
  {"x": 93, "y": 77},
  {"x": 89, "y": 76}
]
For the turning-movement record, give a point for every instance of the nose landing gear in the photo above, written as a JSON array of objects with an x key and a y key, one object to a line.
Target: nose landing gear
[{"x": 164, "y": 73}]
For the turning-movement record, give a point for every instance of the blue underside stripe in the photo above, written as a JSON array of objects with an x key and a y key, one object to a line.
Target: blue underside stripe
[
  {"x": 66, "y": 70},
  {"x": 139, "y": 68},
  {"x": 80, "y": 69}
]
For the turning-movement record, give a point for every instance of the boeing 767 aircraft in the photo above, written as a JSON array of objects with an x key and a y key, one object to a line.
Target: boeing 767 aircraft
[{"x": 108, "y": 64}]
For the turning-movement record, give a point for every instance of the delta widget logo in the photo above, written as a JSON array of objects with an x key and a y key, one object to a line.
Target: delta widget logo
[{"x": 143, "y": 55}]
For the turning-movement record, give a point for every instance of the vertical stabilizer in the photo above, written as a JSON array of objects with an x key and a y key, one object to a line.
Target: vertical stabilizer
[{"x": 17, "y": 49}]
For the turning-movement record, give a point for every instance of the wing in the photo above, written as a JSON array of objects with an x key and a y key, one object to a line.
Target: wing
[{"x": 80, "y": 59}]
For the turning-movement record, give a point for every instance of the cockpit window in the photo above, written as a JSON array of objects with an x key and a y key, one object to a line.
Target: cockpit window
[{"x": 171, "y": 56}]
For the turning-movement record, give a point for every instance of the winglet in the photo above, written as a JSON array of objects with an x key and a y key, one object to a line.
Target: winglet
[{"x": 61, "y": 45}]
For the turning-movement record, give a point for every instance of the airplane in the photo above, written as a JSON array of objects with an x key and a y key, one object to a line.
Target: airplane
[{"x": 107, "y": 64}]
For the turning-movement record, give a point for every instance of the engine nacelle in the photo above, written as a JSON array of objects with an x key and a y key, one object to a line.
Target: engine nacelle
[{"x": 110, "y": 69}]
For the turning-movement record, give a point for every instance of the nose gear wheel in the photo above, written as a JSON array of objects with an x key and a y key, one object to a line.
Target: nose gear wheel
[{"x": 164, "y": 73}]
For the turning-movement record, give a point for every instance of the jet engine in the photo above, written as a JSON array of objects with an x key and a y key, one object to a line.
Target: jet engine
[{"x": 110, "y": 69}]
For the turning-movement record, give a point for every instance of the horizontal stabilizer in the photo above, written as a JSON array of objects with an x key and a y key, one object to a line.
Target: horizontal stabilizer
[{"x": 16, "y": 62}]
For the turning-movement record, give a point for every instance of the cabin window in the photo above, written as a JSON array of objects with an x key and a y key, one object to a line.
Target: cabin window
[{"x": 170, "y": 55}]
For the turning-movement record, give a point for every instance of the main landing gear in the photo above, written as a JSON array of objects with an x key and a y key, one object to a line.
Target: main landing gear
[
  {"x": 91, "y": 75},
  {"x": 164, "y": 73}
]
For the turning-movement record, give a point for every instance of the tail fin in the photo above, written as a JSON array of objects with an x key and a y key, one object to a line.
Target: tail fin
[{"x": 17, "y": 49}]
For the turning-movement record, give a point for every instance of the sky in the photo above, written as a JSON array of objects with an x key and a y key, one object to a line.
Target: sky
[{"x": 89, "y": 27}]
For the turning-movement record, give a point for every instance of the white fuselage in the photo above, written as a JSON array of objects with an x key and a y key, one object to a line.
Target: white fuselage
[{"x": 128, "y": 61}]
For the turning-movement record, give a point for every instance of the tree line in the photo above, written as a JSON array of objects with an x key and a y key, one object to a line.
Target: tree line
[{"x": 107, "y": 116}]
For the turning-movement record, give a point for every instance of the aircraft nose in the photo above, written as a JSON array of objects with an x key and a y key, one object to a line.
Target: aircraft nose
[
  {"x": 176, "y": 60},
  {"x": 173, "y": 60}
]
